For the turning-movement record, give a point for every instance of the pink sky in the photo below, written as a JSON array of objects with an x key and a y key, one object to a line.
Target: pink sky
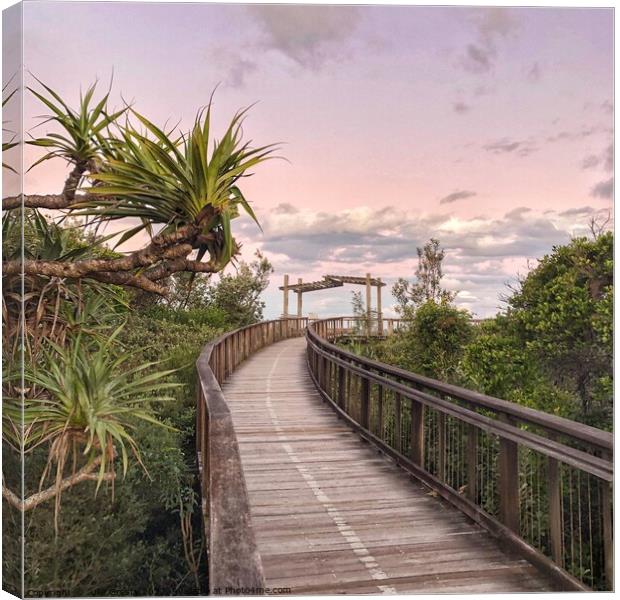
[{"x": 490, "y": 129}]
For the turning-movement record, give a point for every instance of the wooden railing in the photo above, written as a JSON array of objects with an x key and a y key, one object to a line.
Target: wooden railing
[
  {"x": 351, "y": 327},
  {"x": 234, "y": 562},
  {"x": 540, "y": 483}
]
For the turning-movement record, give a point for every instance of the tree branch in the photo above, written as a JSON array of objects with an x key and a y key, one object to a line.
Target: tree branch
[
  {"x": 167, "y": 268},
  {"x": 53, "y": 201},
  {"x": 162, "y": 247},
  {"x": 86, "y": 473},
  {"x": 129, "y": 280},
  {"x": 166, "y": 254}
]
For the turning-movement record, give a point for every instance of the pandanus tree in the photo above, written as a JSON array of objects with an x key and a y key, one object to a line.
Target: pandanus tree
[
  {"x": 180, "y": 188},
  {"x": 79, "y": 394}
]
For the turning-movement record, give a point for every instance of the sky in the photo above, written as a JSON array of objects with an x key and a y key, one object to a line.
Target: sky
[{"x": 489, "y": 129}]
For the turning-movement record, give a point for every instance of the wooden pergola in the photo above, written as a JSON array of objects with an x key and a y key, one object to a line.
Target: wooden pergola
[{"x": 331, "y": 281}]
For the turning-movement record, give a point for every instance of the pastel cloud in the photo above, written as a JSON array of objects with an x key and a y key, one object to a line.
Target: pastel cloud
[
  {"x": 454, "y": 196},
  {"x": 510, "y": 146},
  {"x": 308, "y": 35},
  {"x": 492, "y": 25},
  {"x": 604, "y": 189}
]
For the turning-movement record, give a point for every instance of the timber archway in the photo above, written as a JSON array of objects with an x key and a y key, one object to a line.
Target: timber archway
[{"x": 328, "y": 282}]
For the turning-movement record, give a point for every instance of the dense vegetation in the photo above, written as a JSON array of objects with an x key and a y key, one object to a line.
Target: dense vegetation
[
  {"x": 550, "y": 349},
  {"x": 100, "y": 345}
]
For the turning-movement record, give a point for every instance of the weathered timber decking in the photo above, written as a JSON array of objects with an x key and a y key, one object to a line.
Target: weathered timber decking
[{"x": 332, "y": 515}]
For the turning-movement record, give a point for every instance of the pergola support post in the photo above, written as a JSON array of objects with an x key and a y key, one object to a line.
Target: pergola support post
[
  {"x": 379, "y": 311},
  {"x": 285, "y": 300},
  {"x": 368, "y": 301}
]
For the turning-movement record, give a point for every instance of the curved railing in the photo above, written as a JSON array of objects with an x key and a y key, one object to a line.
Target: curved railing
[
  {"x": 363, "y": 326},
  {"x": 234, "y": 563},
  {"x": 540, "y": 483}
]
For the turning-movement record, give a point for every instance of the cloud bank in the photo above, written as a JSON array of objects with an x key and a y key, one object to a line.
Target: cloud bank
[{"x": 482, "y": 254}]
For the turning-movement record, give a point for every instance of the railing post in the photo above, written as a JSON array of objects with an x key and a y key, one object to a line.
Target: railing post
[
  {"x": 341, "y": 386},
  {"x": 222, "y": 362},
  {"x": 608, "y": 547},
  {"x": 441, "y": 467},
  {"x": 380, "y": 424},
  {"x": 555, "y": 511},
  {"x": 417, "y": 433},
  {"x": 235, "y": 349},
  {"x": 397, "y": 422},
  {"x": 508, "y": 462},
  {"x": 365, "y": 403},
  {"x": 472, "y": 462}
]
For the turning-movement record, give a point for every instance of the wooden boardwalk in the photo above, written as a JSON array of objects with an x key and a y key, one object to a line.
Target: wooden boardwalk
[{"x": 332, "y": 515}]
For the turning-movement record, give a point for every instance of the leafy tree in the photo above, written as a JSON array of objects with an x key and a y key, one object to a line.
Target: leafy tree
[
  {"x": 432, "y": 342},
  {"x": 238, "y": 295},
  {"x": 234, "y": 299},
  {"x": 428, "y": 285},
  {"x": 552, "y": 349},
  {"x": 498, "y": 364},
  {"x": 562, "y": 314},
  {"x": 435, "y": 333}
]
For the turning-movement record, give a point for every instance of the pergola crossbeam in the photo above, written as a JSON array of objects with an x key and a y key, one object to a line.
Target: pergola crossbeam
[
  {"x": 356, "y": 280},
  {"x": 312, "y": 286}
]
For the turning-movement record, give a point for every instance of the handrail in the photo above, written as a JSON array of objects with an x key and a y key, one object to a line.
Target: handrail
[
  {"x": 539, "y": 482},
  {"x": 552, "y": 423},
  {"x": 234, "y": 562}
]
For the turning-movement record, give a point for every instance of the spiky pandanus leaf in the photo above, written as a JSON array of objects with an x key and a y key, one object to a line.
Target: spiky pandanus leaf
[
  {"x": 82, "y": 129},
  {"x": 12, "y": 143},
  {"x": 89, "y": 391},
  {"x": 173, "y": 181}
]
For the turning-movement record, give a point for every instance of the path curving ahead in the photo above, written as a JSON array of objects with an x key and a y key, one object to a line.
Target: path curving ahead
[{"x": 332, "y": 515}]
